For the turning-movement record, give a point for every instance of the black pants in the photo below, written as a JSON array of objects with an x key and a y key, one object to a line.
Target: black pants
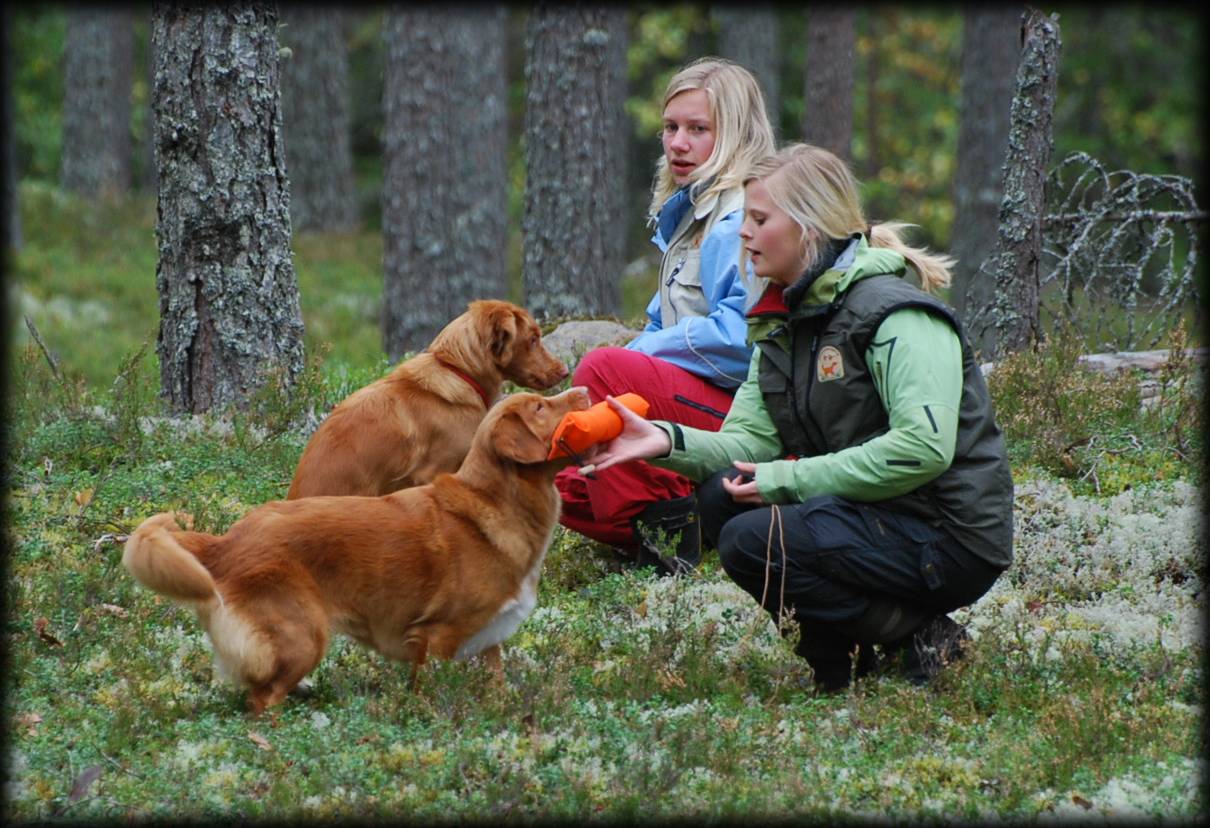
[{"x": 838, "y": 553}]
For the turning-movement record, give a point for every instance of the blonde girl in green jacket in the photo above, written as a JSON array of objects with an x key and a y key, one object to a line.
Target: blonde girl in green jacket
[{"x": 859, "y": 484}]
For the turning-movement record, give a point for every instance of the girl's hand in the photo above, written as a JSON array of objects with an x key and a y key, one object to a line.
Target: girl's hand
[
  {"x": 639, "y": 440},
  {"x": 742, "y": 487}
]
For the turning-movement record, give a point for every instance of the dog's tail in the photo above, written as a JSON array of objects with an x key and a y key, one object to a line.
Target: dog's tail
[{"x": 157, "y": 560}]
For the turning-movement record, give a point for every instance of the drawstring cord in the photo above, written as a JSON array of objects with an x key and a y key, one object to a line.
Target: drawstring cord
[
  {"x": 574, "y": 455},
  {"x": 775, "y": 519}
]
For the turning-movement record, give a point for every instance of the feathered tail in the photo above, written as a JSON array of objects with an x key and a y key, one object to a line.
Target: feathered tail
[{"x": 158, "y": 561}]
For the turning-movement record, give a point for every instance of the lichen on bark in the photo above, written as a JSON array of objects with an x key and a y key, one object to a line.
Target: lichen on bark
[{"x": 229, "y": 309}]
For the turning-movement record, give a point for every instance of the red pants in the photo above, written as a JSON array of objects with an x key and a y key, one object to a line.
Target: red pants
[{"x": 601, "y": 508}]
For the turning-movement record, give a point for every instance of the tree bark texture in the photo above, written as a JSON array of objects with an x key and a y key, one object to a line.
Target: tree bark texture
[
  {"x": 445, "y": 189},
  {"x": 991, "y": 47},
  {"x": 98, "y": 61},
  {"x": 317, "y": 126},
  {"x": 1018, "y": 252},
  {"x": 827, "y": 119},
  {"x": 575, "y": 144},
  {"x": 229, "y": 310},
  {"x": 11, "y": 206},
  {"x": 748, "y": 36}
]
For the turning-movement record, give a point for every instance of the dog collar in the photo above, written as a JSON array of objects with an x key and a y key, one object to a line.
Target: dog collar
[{"x": 487, "y": 403}]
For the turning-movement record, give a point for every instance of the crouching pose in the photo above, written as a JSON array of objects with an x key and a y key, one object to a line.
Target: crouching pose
[{"x": 865, "y": 488}]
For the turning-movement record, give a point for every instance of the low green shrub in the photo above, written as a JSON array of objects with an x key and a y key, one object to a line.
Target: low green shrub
[{"x": 1093, "y": 428}]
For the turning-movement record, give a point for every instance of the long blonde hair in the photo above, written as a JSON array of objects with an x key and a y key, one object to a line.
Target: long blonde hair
[
  {"x": 742, "y": 132},
  {"x": 818, "y": 192}
]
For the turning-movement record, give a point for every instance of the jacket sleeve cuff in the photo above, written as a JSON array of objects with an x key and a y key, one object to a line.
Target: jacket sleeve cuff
[
  {"x": 676, "y": 438},
  {"x": 776, "y": 483}
]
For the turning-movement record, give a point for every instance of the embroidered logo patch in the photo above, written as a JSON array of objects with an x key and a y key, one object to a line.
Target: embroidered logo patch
[{"x": 829, "y": 366}]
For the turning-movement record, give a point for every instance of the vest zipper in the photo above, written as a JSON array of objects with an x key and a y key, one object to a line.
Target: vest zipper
[
  {"x": 675, "y": 270},
  {"x": 794, "y": 373}
]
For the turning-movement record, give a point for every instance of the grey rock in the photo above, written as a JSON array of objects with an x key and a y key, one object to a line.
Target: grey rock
[{"x": 571, "y": 340}]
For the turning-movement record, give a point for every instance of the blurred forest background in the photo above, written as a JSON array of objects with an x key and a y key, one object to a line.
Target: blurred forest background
[{"x": 1130, "y": 95}]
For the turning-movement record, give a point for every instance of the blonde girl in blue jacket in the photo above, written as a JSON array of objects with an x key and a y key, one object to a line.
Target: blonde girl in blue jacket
[{"x": 693, "y": 353}]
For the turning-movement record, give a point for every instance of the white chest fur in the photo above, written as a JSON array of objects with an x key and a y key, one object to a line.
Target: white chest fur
[{"x": 510, "y": 615}]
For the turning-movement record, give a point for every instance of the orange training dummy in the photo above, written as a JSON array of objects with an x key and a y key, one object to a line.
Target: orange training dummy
[{"x": 599, "y": 424}]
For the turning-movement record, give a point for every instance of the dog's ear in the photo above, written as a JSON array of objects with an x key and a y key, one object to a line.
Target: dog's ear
[
  {"x": 517, "y": 440},
  {"x": 502, "y": 325}
]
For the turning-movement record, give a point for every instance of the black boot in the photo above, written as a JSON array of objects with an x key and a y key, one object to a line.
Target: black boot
[
  {"x": 885, "y": 620},
  {"x": 922, "y": 655},
  {"x": 669, "y": 536},
  {"x": 835, "y": 661}
]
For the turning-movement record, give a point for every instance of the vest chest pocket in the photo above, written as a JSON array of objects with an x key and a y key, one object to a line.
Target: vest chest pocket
[{"x": 682, "y": 286}]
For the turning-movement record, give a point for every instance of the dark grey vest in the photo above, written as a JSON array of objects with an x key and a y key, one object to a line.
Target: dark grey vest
[{"x": 973, "y": 498}]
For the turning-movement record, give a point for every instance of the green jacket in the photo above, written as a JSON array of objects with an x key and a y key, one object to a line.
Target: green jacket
[{"x": 910, "y": 426}]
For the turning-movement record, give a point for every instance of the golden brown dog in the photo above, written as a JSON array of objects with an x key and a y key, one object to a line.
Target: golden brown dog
[
  {"x": 447, "y": 569},
  {"x": 417, "y": 422}
]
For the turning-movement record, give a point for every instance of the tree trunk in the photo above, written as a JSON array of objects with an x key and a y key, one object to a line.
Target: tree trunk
[
  {"x": 229, "y": 312},
  {"x": 748, "y": 36},
  {"x": 315, "y": 112},
  {"x": 827, "y": 119},
  {"x": 873, "y": 146},
  {"x": 445, "y": 187},
  {"x": 11, "y": 205},
  {"x": 97, "y": 147},
  {"x": 991, "y": 46},
  {"x": 1018, "y": 252},
  {"x": 575, "y": 128}
]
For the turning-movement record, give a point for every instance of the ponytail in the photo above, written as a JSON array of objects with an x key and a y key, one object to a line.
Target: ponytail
[{"x": 933, "y": 268}]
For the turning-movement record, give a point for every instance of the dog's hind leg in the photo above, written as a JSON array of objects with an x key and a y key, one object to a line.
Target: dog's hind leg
[
  {"x": 288, "y": 673},
  {"x": 298, "y": 643}
]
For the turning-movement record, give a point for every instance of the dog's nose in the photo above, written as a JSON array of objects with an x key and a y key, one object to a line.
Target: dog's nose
[{"x": 577, "y": 398}]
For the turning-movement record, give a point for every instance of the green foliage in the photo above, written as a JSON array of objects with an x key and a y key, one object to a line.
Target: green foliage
[
  {"x": 905, "y": 118},
  {"x": 1131, "y": 85},
  {"x": 36, "y": 39},
  {"x": 1091, "y": 427},
  {"x": 658, "y": 48}
]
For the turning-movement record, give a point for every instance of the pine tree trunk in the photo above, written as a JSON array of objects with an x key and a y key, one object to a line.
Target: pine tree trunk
[
  {"x": 98, "y": 59},
  {"x": 575, "y": 160},
  {"x": 11, "y": 205},
  {"x": 445, "y": 187},
  {"x": 1018, "y": 252},
  {"x": 315, "y": 112},
  {"x": 873, "y": 108},
  {"x": 827, "y": 119},
  {"x": 229, "y": 312},
  {"x": 748, "y": 36},
  {"x": 991, "y": 47}
]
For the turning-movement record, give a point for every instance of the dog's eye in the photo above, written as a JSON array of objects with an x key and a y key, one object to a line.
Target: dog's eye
[{"x": 540, "y": 407}]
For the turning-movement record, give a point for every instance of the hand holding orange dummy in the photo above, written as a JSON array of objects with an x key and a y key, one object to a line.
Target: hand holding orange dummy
[{"x": 581, "y": 430}]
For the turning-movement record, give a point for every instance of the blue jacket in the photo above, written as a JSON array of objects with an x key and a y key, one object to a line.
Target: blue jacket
[{"x": 697, "y": 315}]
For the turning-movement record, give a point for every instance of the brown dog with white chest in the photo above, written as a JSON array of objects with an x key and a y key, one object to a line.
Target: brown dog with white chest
[
  {"x": 448, "y": 569},
  {"x": 417, "y": 422}
]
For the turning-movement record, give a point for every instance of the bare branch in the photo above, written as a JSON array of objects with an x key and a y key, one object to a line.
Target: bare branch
[{"x": 50, "y": 358}]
